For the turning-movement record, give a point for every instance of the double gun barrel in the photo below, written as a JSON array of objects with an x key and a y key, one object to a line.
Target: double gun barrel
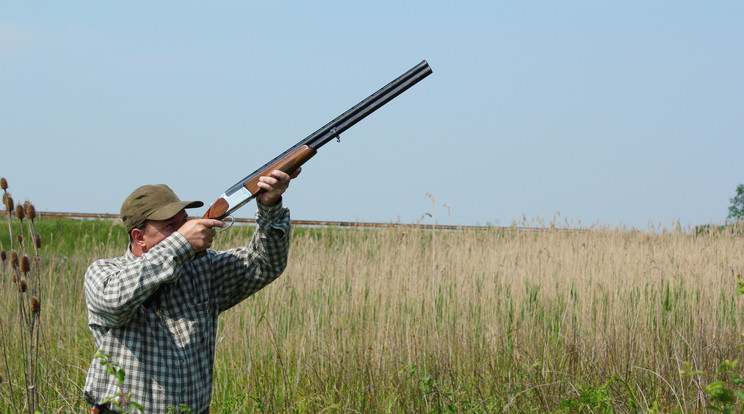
[{"x": 288, "y": 161}]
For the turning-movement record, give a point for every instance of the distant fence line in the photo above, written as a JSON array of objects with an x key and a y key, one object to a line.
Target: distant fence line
[
  {"x": 737, "y": 229},
  {"x": 307, "y": 223}
]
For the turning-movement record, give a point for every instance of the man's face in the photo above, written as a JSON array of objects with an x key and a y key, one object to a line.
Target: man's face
[{"x": 157, "y": 230}]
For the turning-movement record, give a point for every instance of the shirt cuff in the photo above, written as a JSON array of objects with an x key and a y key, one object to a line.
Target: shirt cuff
[
  {"x": 180, "y": 245},
  {"x": 275, "y": 217},
  {"x": 270, "y": 212}
]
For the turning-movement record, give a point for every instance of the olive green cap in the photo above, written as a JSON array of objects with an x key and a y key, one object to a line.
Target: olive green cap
[{"x": 152, "y": 202}]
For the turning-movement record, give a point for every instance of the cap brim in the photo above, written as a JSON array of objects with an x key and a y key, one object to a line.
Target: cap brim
[{"x": 170, "y": 210}]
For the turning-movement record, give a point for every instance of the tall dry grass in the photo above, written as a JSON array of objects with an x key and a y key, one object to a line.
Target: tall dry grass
[{"x": 414, "y": 320}]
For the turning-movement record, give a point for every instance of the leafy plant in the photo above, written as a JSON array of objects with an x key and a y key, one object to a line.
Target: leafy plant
[
  {"x": 121, "y": 401},
  {"x": 183, "y": 408}
]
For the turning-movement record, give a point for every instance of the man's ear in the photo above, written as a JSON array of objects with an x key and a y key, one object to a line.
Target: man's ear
[{"x": 138, "y": 237}]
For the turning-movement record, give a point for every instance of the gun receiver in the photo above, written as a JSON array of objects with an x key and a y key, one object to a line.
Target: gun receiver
[{"x": 246, "y": 189}]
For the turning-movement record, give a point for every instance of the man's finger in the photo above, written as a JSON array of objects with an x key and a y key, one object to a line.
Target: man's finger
[{"x": 211, "y": 223}]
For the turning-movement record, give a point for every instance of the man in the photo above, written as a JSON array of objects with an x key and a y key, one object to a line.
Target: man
[{"x": 155, "y": 309}]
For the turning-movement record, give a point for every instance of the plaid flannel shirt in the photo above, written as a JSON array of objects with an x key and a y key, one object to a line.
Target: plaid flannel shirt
[{"x": 156, "y": 315}]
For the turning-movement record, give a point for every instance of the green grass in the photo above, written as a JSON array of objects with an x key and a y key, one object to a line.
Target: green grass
[{"x": 70, "y": 237}]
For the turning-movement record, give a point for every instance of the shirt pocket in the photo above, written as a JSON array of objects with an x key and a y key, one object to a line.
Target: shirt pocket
[{"x": 191, "y": 326}]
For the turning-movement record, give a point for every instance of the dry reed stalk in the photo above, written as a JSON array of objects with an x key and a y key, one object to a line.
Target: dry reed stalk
[{"x": 582, "y": 305}]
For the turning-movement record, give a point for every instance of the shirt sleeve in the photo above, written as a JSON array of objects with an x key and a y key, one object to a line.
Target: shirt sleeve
[
  {"x": 240, "y": 272},
  {"x": 114, "y": 288}
]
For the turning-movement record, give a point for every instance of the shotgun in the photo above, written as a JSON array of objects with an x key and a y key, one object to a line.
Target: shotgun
[{"x": 247, "y": 189}]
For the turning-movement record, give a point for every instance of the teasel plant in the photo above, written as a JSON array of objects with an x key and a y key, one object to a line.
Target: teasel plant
[{"x": 22, "y": 264}]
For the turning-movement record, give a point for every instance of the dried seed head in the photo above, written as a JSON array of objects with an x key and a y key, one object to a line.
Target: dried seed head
[
  {"x": 30, "y": 210},
  {"x": 3, "y": 183},
  {"x": 25, "y": 264},
  {"x": 14, "y": 259},
  {"x": 37, "y": 241},
  {"x": 3, "y": 255},
  {"x": 35, "y": 305},
  {"x": 20, "y": 238},
  {"x": 22, "y": 286},
  {"x": 20, "y": 213},
  {"x": 8, "y": 201}
]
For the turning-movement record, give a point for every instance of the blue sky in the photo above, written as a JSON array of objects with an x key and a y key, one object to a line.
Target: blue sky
[{"x": 595, "y": 112}]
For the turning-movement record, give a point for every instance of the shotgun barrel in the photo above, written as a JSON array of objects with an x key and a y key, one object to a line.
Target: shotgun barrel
[{"x": 245, "y": 189}]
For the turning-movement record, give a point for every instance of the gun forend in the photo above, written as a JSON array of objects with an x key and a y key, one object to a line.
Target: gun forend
[
  {"x": 288, "y": 164},
  {"x": 248, "y": 188}
]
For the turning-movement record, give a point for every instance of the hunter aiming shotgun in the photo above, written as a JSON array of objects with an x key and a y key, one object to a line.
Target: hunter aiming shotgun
[{"x": 247, "y": 189}]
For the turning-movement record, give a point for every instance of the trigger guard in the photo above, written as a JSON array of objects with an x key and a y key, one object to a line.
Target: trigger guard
[{"x": 231, "y": 222}]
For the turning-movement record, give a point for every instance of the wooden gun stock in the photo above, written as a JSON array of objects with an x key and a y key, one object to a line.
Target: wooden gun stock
[{"x": 218, "y": 210}]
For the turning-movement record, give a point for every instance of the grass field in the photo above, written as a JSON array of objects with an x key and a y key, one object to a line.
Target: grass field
[{"x": 415, "y": 320}]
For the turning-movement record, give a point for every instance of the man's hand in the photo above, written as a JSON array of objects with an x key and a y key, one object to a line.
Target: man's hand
[
  {"x": 275, "y": 185},
  {"x": 200, "y": 232}
]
